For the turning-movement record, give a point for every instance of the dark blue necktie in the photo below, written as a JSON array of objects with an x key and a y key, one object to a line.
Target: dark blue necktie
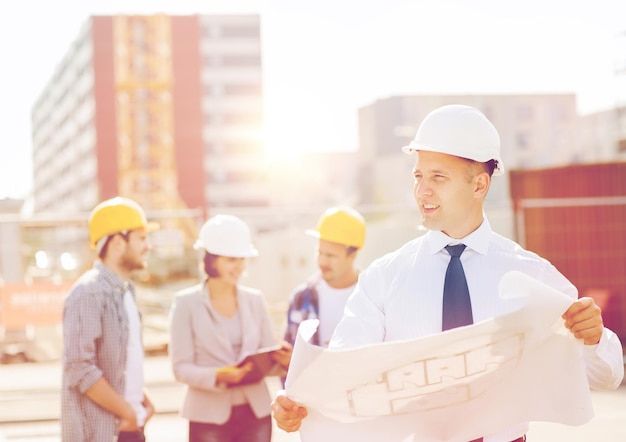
[{"x": 457, "y": 307}]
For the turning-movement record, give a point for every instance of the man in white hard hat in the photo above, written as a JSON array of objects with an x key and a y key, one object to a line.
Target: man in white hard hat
[
  {"x": 449, "y": 277},
  {"x": 341, "y": 234},
  {"x": 103, "y": 397}
]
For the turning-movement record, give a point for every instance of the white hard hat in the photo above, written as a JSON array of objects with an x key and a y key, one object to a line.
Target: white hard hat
[
  {"x": 226, "y": 235},
  {"x": 459, "y": 130}
]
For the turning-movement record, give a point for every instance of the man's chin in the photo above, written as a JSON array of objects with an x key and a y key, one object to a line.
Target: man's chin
[
  {"x": 428, "y": 224},
  {"x": 327, "y": 276},
  {"x": 139, "y": 266}
]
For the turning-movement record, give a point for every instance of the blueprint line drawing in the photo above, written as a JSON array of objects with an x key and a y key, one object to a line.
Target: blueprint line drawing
[{"x": 437, "y": 382}]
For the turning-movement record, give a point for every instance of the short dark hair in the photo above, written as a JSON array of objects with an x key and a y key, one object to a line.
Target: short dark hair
[
  {"x": 351, "y": 249},
  {"x": 103, "y": 251},
  {"x": 476, "y": 167},
  {"x": 209, "y": 265}
]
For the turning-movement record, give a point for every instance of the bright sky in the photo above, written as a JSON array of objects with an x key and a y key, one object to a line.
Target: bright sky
[{"x": 324, "y": 59}]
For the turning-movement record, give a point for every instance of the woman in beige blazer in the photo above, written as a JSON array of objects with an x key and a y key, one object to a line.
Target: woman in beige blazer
[{"x": 213, "y": 326}]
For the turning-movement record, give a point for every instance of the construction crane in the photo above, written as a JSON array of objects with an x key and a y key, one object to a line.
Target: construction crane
[{"x": 145, "y": 118}]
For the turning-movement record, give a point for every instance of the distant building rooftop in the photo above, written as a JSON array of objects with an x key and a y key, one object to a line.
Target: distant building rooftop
[{"x": 10, "y": 205}]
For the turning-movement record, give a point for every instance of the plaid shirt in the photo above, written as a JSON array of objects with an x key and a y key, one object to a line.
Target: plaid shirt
[
  {"x": 303, "y": 305},
  {"x": 95, "y": 337}
]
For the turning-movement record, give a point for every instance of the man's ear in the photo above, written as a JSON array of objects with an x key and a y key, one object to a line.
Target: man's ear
[
  {"x": 482, "y": 181},
  {"x": 116, "y": 243}
]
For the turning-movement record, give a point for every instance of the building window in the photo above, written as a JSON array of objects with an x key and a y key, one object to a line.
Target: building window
[
  {"x": 242, "y": 118},
  {"x": 214, "y": 31},
  {"x": 522, "y": 140},
  {"x": 213, "y": 60},
  {"x": 559, "y": 113},
  {"x": 214, "y": 148},
  {"x": 242, "y": 89},
  {"x": 241, "y": 60},
  {"x": 226, "y": 61},
  {"x": 241, "y": 147},
  {"x": 216, "y": 90},
  {"x": 524, "y": 113},
  {"x": 225, "y": 31},
  {"x": 240, "y": 32},
  {"x": 218, "y": 177},
  {"x": 214, "y": 119}
]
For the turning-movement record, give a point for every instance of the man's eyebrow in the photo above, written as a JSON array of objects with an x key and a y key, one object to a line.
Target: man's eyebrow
[
  {"x": 439, "y": 171},
  {"x": 432, "y": 171}
]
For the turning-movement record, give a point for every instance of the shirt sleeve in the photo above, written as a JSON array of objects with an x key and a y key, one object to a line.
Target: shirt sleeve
[
  {"x": 291, "y": 326},
  {"x": 181, "y": 349},
  {"x": 81, "y": 332},
  {"x": 604, "y": 362}
]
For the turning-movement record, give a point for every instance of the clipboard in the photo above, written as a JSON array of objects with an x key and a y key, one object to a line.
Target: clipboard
[{"x": 262, "y": 365}]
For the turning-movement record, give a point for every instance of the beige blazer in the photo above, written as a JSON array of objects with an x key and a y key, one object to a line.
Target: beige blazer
[{"x": 199, "y": 346}]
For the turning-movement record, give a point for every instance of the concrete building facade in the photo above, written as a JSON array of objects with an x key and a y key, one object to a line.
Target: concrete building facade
[
  {"x": 603, "y": 135},
  {"x": 163, "y": 109},
  {"x": 11, "y": 262}
]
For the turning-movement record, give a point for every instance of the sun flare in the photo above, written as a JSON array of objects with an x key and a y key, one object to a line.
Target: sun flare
[{"x": 295, "y": 122}]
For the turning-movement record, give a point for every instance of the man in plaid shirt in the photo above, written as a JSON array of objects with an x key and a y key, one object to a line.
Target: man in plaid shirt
[{"x": 103, "y": 397}]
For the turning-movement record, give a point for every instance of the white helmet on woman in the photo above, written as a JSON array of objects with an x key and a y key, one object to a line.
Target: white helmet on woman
[
  {"x": 226, "y": 235},
  {"x": 459, "y": 130}
]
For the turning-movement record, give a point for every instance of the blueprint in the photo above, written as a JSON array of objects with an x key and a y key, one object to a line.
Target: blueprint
[{"x": 453, "y": 386}]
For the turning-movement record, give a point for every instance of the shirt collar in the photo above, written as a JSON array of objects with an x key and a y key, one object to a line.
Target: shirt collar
[
  {"x": 113, "y": 278},
  {"x": 478, "y": 240}
]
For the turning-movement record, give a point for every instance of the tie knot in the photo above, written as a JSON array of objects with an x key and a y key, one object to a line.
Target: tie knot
[{"x": 455, "y": 250}]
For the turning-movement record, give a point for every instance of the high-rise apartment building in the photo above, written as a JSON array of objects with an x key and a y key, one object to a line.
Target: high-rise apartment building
[{"x": 163, "y": 109}]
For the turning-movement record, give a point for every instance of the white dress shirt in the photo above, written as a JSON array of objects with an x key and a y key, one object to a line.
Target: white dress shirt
[
  {"x": 399, "y": 296},
  {"x": 133, "y": 392}
]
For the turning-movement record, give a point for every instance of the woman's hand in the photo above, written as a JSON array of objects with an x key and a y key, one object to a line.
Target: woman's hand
[
  {"x": 283, "y": 356},
  {"x": 232, "y": 375}
]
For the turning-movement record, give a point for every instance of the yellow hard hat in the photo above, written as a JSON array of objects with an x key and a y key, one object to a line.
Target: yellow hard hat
[
  {"x": 342, "y": 225},
  {"x": 115, "y": 215}
]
